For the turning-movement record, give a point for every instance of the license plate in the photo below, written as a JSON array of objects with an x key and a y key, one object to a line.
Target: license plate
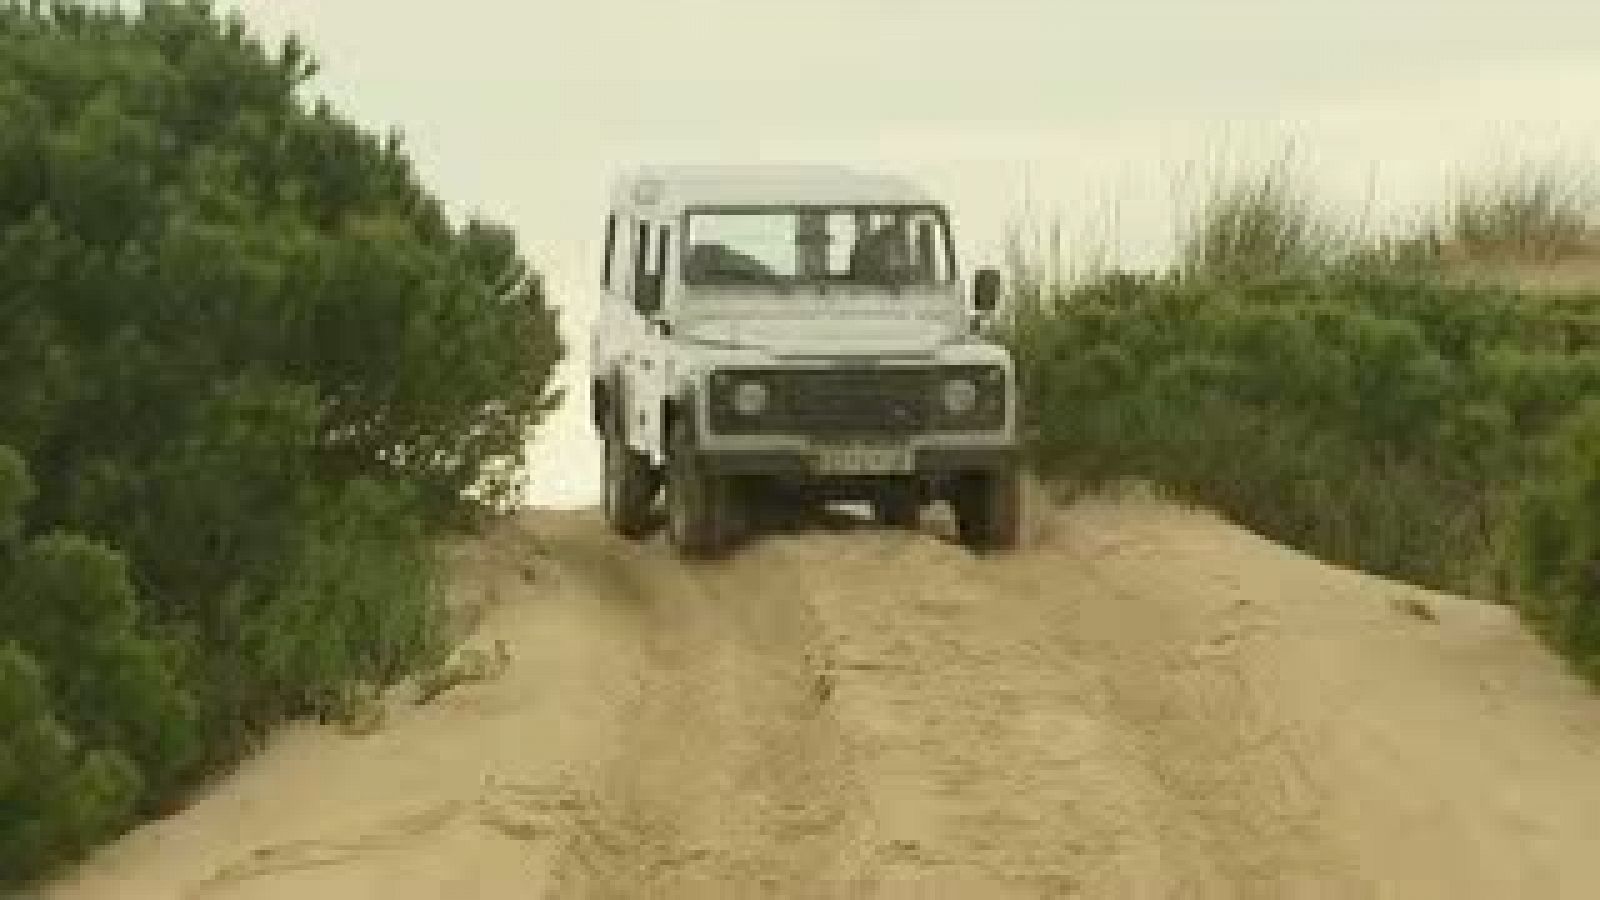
[{"x": 863, "y": 458}]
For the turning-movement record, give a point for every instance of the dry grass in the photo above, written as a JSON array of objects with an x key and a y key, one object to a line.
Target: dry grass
[
  {"x": 1257, "y": 224},
  {"x": 1531, "y": 225},
  {"x": 470, "y": 665},
  {"x": 1531, "y": 214}
]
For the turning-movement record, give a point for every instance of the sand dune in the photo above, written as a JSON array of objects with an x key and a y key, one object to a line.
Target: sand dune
[{"x": 1144, "y": 702}]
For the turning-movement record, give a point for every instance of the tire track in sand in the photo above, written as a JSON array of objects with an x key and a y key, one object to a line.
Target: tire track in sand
[
  {"x": 731, "y": 779},
  {"x": 1143, "y": 702},
  {"x": 995, "y": 762}
]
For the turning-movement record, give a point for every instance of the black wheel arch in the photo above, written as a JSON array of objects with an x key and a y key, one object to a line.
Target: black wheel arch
[
  {"x": 605, "y": 402},
  {"x": 678, "y": 407}
]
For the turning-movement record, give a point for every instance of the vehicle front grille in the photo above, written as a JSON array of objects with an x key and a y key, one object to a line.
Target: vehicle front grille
[
  {"x": 835, "y": 401},
  {"x": 829, "y": 401}
]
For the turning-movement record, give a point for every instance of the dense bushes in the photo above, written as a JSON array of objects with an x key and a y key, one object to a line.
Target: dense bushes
[
  {"x": 249, "y": 367},
  {"x": 1560, "y": 544},
  {"x": 1355, "y": 404},
  {"x": 96, "y": 718}
]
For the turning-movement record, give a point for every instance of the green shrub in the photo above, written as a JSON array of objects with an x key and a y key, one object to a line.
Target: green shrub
[
  {"x": 16, "y": 490},
  {"x": 58, "y": 798},
  {"x": 70, "y": 606},
  {"x": 356, "y": 605},
  {"x": 1377, "y": 421},
  {"x": 1256, "y": 225},
  {"x": 1349, "y": 400},
  {"x": 1560, "y": 544},
  {"x": 1528, "y": 214},
  {"x": 94, "y": 723},
  {"x": 252, "y": 369}
]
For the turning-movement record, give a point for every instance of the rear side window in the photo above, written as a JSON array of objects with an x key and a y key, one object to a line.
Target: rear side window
[
  {"x": 608, "y": 266},
  {"x": 641, "y": 252},
  {"x": 663, "y": 248}
]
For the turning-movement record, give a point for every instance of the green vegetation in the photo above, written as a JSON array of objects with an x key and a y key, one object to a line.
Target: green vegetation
[
  {"x": 251, "y": 369},
  {"x": 1529, "y": 214},
  {"x": 1345, "y": 397},
  {"x": 1250, "y": 223},
  {"x": 1560, "y": 544}
]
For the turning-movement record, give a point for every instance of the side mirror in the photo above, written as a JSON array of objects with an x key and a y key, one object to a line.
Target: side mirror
[{"x": 986, "y": 290}]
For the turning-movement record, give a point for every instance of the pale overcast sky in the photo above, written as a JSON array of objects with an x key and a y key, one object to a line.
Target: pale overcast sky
[{"x": 523, "y": 110}]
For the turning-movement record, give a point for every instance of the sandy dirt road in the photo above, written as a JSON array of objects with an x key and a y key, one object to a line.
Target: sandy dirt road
[{"x": 1144, "y": 703}]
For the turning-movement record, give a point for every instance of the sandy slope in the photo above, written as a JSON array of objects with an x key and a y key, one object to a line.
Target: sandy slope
[{"x": 1144, "y": 703}]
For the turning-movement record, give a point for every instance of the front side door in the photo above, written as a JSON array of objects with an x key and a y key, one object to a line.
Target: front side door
[
  {"x": 644, "y": 330},
  {"x": 611, "y": 340}
]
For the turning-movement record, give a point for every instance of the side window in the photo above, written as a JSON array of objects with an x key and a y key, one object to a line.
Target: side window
[
  {"x": 608, "y": 267},
  {"x": 654, "y": 248},
  {"x": 646, "y": 259},
  {"x": 641, "y": 252},
  {"x": 930, "y": 252},
  {"x": 663, "y": 251}
]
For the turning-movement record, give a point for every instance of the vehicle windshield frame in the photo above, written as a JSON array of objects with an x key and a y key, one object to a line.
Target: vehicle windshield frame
[{"x": 939, "y": 212}]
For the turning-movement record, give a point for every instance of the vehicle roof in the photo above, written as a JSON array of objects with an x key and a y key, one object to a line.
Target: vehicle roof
[{"x": 680, "y": 187}]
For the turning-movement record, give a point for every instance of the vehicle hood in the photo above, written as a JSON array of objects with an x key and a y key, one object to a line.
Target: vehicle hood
[{"x": 827, "y": 323}]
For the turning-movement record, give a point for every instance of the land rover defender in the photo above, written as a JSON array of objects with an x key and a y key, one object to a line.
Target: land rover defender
[{"x": 795, "y": 332}]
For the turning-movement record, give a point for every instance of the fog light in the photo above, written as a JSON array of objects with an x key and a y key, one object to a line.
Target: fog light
[{"x": 750, "y": 398}]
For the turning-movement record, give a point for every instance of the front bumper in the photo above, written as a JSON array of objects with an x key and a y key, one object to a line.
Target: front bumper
[{"x": 798, "y": 460}]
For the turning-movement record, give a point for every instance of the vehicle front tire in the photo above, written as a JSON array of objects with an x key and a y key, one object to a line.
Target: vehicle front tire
[
  {"x": 988, "y": 509},
  {"x": 699, "y": 500},
  {"x": 898, "y": 508},
  {"x": 629, "y": 489}
]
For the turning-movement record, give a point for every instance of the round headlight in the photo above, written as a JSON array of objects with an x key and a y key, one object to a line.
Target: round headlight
[
  {"x": 960, "y": 396},
  {"x": 750, "y": 398}
]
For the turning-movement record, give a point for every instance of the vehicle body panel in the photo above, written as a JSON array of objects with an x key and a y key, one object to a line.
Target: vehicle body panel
[{"x": 656, "y": 362}]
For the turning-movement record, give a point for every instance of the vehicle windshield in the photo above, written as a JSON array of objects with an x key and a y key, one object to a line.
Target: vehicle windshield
[{"x": 876, "y": 246}]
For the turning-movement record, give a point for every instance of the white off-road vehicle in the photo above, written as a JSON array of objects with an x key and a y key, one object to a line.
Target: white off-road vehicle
[{"x": 799, "y": 333}]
